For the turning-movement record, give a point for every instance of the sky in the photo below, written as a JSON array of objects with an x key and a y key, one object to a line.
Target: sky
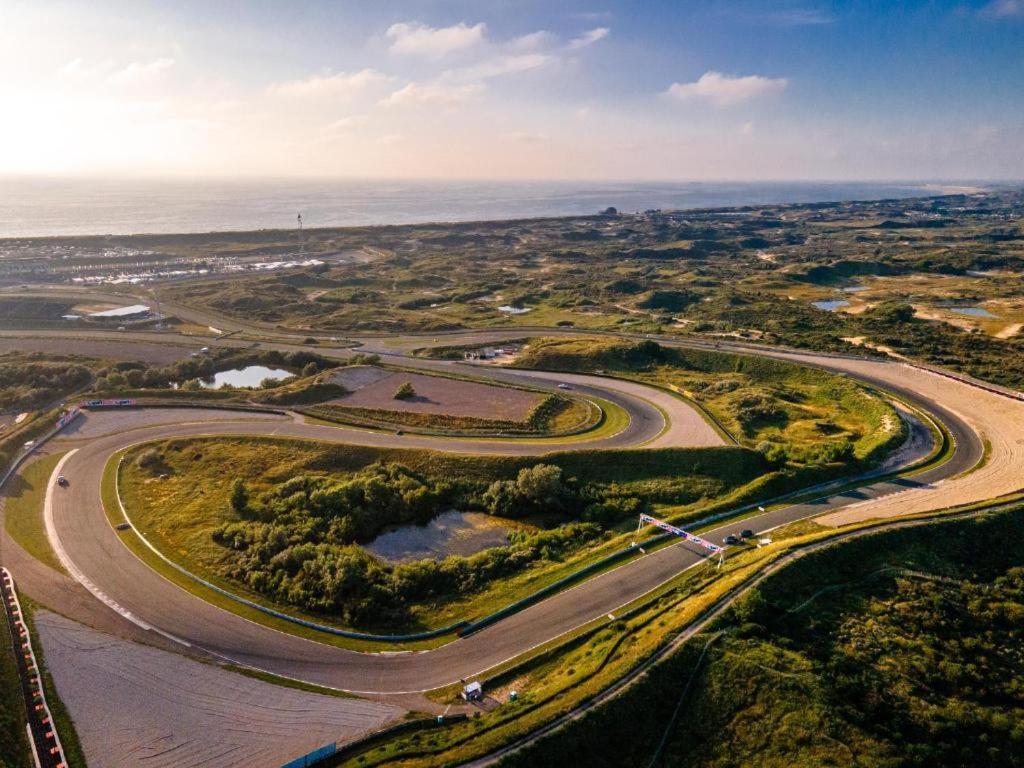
[{"x": 513, "y": 89}]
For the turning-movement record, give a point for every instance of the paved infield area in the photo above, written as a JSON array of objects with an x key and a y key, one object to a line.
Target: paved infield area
[{"x": 135, "y": 705}]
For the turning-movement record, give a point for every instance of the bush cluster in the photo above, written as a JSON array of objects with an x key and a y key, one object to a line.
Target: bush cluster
[{"x": 298, "y": 542}]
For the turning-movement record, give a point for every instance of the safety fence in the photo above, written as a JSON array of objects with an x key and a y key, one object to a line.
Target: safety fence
[
  {"x": 42, "y": 733},
  {"x": 35, "y": 445}
]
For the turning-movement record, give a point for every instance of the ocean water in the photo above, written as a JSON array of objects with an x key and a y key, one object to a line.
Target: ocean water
[{"x": 41, "y": 207}]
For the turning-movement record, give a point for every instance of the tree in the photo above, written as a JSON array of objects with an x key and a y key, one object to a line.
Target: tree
[
  {"x": 239, "y": 496},
  {"x": 310, "y": 369},
  {"x": 405, "y": 391}
]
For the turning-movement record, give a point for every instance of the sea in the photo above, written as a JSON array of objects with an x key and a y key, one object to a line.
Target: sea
[{"x": 32, "y": 207}]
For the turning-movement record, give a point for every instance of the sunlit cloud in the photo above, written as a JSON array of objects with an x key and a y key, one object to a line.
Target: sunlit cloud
[
  {"x": 140, "y": 71},
  {"x": 524, "y": 137},
  {"x": 1003, "y": 9},
  {"x": 725, "y": 90},
  {"x": 431, "y": 94},
  {"x": 434, "y": 42},
  {"x": 589, "y": 38},
  {"x": 340, "y": 85}
]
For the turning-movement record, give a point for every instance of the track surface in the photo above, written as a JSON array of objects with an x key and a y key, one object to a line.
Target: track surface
[{"x": 969, "y": 413}]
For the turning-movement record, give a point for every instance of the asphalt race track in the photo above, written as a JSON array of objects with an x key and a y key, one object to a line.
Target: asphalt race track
[{"x": 971, "y": 415}]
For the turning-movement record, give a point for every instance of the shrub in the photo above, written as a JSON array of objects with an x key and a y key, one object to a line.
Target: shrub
[{"x": 405, "y": 391}]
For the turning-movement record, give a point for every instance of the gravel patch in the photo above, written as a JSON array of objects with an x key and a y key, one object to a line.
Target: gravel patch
[
  {"x": 135, "y": 705},
  {"x": 355, "y": 377},
  {"x": 443, "y": 396}
]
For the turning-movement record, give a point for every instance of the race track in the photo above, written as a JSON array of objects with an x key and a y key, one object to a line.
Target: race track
[{"x": 972, "y": 416}]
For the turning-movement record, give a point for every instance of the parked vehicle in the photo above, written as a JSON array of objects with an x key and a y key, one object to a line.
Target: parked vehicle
[
  {"x": 564, "y": 386},
  {"x": 730, "y": 539},
  {"x": 746, "y": 533}
]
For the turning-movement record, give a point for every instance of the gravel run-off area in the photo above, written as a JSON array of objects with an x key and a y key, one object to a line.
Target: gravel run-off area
[
  {"x": 134, "y": 705},
  {"x": 440, "y": 395}
]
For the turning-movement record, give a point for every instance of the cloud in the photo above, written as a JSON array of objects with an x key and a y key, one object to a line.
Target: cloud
[
  {"x": 532, "y": 41},
  {"x": 345, "y": 123},
  {"x": 499, "y": 65},
  {"x": 588, "y": 38},
  {"x": 431, "y": 94},
  {"x": 434, "y": 42},
  {"x": 339, "y": 85},
  {"x": 524, "y": 137},
  {"x": 793, "y": 16},
  {"x": 1003, "y": 9},
  {"x": 725, "y": 90},
  {"x": 139, "y": 71}
]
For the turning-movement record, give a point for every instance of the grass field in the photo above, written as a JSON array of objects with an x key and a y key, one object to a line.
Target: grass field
[
  {"x": 900, "y": 649},
  {"x": 179, "y": 514},
  {"x": 806, "y": 415},
  {"x": 23, "y": 509}
]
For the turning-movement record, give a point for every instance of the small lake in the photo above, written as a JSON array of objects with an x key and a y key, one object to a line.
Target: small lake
[
  {"x": 510, "y": 310},
  {"x": 831, "y": 305},
  {"x": 450, "y": 533},
  {"x": 973, "y": 312},
  {"x": 250, "y": 376},
  {"x": 855, "y": 288}
]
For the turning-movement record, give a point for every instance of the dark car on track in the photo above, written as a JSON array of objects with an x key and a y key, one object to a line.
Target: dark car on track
[{"x": 62, "y": 481}]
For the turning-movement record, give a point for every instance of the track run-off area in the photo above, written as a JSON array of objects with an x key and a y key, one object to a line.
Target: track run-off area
[{"x": 985, "y": 425}]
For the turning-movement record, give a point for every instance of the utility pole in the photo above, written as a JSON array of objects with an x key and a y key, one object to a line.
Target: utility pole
[{"x": 302, "y": 242}]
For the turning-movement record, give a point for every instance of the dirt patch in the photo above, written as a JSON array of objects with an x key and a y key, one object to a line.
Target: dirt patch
[{"x": 449, "y": 397}]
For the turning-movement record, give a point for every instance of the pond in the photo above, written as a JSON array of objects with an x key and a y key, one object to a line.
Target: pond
[
  {"x": 510, "y": 310},
  {"x": 831, "y": 305},
  {"x": 450, "y": 533},
  {"x": 855, "y": 288},
  {"x": 973, "y": 312},
  {"x": 250, "y": 376}
]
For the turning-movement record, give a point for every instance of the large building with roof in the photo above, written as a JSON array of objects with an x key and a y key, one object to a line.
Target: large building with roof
[{"x": 121, "y": 314}]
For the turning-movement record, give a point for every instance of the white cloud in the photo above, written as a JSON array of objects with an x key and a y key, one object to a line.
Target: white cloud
[
  {"x": 532, "y": 41},
  {"x": 339, "y": 85},
  {"x": 431, "y": 94},
  {"x": 1004, "y": 8},
  {"x": 345, "y": 123},
  {"x": 747, "y": 129},
  {"x": 589, "y": 38},
  {"x": 524, "y": 137},
  {"x": 434, "y": 42},
  {"x": 725, "y": 90},
  {"x": 499, "y": 65},
  {"x": 139, "y": 71},
  {"x": 390, "y": 139}
]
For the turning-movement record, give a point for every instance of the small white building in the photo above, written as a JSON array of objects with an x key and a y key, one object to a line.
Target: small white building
[{"x": 472, "y": 691}]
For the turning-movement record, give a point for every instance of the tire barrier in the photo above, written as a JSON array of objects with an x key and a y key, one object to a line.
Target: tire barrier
[{"x": 46, "y": 746}]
